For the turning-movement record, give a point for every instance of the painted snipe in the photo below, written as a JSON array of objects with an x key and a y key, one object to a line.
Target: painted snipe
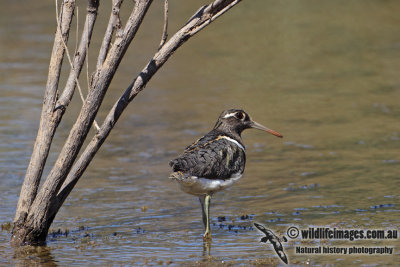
[{"x": 215, "y": 161}]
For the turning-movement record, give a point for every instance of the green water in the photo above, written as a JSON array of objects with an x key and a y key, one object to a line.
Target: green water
[{"x": 323, "y": 73}]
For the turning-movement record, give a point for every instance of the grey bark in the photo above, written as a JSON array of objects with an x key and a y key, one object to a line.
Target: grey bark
[
  {"x": 46, "y": 127},
  {"x": 164, "y": 35},
  {"x": 36, "y": 211},
  {"x": 113, "y": 24}
]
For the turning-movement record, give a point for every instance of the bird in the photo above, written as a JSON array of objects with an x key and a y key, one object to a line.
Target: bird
[{"x": 215, "y": 161}]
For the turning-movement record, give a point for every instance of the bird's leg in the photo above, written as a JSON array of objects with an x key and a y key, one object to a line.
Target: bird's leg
[
  {"x": 206, "y": 210},
  {"x": 204, "y": 216}
]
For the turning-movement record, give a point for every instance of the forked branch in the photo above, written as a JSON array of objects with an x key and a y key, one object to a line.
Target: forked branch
[
  {"x": 36, "y": 210},
  {"x": 43, "y": 204},
  {"x": 78, "y": 63},
  {"x": 46, "y": 127},
  {"x": 198, "y": 21}
]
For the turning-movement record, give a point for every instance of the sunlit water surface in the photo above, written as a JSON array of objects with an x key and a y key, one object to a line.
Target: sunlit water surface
[{"x": 323, "y": 73}]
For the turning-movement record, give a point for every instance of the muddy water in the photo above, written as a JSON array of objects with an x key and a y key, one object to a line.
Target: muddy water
[{"x": 323, "y": 73}]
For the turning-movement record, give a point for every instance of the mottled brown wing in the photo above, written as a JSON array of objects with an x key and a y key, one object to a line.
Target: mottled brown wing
[{"x": 213, "y": 159}]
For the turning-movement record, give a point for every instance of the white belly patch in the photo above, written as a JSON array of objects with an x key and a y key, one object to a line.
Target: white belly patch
[{"x": 199, "y": 186}]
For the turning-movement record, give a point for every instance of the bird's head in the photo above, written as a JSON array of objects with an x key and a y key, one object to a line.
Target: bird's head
[{"x": 235, "y": 121}]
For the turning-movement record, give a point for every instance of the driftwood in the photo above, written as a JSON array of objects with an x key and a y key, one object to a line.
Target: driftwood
[{"x": 37, "y": 208}]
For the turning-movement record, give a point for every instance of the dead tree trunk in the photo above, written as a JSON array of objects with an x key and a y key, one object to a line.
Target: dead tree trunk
[{"x": 37, "y": 208}]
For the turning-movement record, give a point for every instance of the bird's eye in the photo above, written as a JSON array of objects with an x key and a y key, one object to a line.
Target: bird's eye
[{"x": 239, "y": 116}]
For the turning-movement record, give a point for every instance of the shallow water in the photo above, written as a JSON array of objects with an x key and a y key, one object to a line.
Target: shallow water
[{"x": 323, "y": 73}]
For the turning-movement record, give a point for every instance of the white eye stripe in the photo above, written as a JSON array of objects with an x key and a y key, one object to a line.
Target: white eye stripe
[{"x": 230, "y": 115}]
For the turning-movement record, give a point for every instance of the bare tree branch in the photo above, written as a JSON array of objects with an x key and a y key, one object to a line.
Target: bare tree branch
[
  {"x": 198, "y": 21},
  {"x": 45, "y": 133},
  {"x": 46, "y": 196},
  {"x": 37, "y": 209},
  {"x": 113, "y": 23},
  {"x": 212, "y": 12},
  {"x": 79, "y": 60},
  {"x": 165, "y": 29},
  {"x": 76, "y": 29}
]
